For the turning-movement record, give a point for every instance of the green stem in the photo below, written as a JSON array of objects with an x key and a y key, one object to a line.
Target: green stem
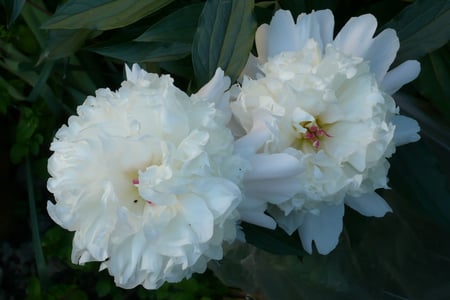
[{"x": 38, "y": 254}]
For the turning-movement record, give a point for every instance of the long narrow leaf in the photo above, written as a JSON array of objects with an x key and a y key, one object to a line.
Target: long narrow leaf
[
  {"x": 223, "y": 39},
  {"x": 102, "y": 14}
]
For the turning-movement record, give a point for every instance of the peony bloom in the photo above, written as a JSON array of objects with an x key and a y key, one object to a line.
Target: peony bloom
[
  {"x": 324, "y": 104},
  {"x": 147, "y": 179}
]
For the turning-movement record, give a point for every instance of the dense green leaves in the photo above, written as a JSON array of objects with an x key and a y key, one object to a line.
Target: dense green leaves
[
  {"x": 223, "y": 39},
  {"x": 102, "y": 14},
  {"x": 13, "y": 8},
  {"x": 422, "y": 27}
]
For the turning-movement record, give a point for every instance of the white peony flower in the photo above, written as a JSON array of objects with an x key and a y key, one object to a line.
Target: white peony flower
[
  {"x": 147, "y": 179},
  {"x": 326, "y": 105}
]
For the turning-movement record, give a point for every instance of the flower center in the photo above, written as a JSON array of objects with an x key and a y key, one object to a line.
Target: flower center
[
  {"x": 314, "y": 134},
  {"x": 310, "y": 132}
]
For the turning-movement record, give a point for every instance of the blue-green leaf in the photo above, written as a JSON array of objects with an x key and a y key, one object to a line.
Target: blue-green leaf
[
  {"x": 13, "y": 8},
  {"x": 422, "y": 27},
  {"x": 179, "y": 26},
  {"x": 433, "y": 81},
  {"x": 144, "y": 52},
  {"x": 102, "y": 14},
  {"x": 223, "y": 39}
]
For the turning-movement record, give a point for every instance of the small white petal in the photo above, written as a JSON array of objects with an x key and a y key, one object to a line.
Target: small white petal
[
  {"x": 369, "y": 205},
  {"x": 406, "y": 130},
  {"x": 356, "y": 35},
  {"x": 261, "y": 42},
  {"x": 324, "y": 229},
  {"x": 382, "y": 53},
  {"x": 400, "y": 75}
]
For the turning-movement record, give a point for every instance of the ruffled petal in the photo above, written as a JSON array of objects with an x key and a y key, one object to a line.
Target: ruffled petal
[
  {"x": 324, "y": 229},
  {"x": 400, "y": 75},
  {"x": 406, "y": 130},
  {"x": 355, "y": 37},
  {"x": 369, "y": 205}
]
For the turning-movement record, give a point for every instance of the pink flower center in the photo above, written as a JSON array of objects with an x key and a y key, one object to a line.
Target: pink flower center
[{"x": 315, "y": 134}]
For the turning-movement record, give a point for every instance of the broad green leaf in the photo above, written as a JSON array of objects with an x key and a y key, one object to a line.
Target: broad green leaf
[
  {"x": 415, "y": 173},
  {"x": 223, "y": 39},
  {"x": 13, "y": 9},
  {"x": 273, "y": 241},
  {"x": 179, "y": 26},
  {"x": 434, "y": 79},
  {"x": 63, "y": 42},
  {"x": 102, "y": 14},
  {"x": 144, "y": 52},
  {"x": 422, "y": 27}
]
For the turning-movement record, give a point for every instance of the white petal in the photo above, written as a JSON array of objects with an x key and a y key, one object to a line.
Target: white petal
[
  {"x": 290, "y": 222},
  {"x": 325, "y": 20},
  {"x": 266, "y": 166},
  {"x": 250, "y": 69},
  {"x": 261, "y": 42},
  {"x": 400, "y": 75},
  {"x": 282, "y": 34},
  {"x": 382, "y": 53},
  {"x": 369, "y": 205},
  {"x": 273, "y": 190},
  {"x": 133, "y": 73},
  {"x": 258, "y": 135},
  {"x": 406, "y": 130},
  {"x": 323, "y": 229},
  {"x": 215, "y": 88},
  {"x": 259, "y": 219},
  {"x": 199, "y": 217},
  {"x": 356, "y": 35}
]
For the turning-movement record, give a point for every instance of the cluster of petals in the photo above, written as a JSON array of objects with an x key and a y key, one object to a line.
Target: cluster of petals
[
  {"x": 147, "y": 179},
  {"x": 324, "y": 104}
]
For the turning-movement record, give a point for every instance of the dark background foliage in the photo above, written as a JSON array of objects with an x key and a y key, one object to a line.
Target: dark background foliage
[{"x": 54, "y": 53}]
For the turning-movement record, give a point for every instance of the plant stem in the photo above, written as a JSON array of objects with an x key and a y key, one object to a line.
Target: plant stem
[{"x": 38, "y": 254}]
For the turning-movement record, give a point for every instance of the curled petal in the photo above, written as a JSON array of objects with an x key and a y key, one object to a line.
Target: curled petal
[
  {"x": 406, "y": 130},
  {"x": 369, "y": 205},
  {"x": 401, "y": 75}
]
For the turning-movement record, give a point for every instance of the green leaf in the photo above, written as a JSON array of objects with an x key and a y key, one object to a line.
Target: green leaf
[
  {"x": 13, "y": 9},
  {"x": 102, "y": 14},
  {"x": 144, "y": 52},
  {"x": 422, "y": 27},
  {"x": 223, "y": 39},
  {"x": 433, "y": 81},
  {"x": 179, "y": 26},
  {"x": 63, "y": 42},
  {"x": 420, "y": 180},
  {"x": 274, "y": 241},
  {"x": 34, "y": 18}
]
